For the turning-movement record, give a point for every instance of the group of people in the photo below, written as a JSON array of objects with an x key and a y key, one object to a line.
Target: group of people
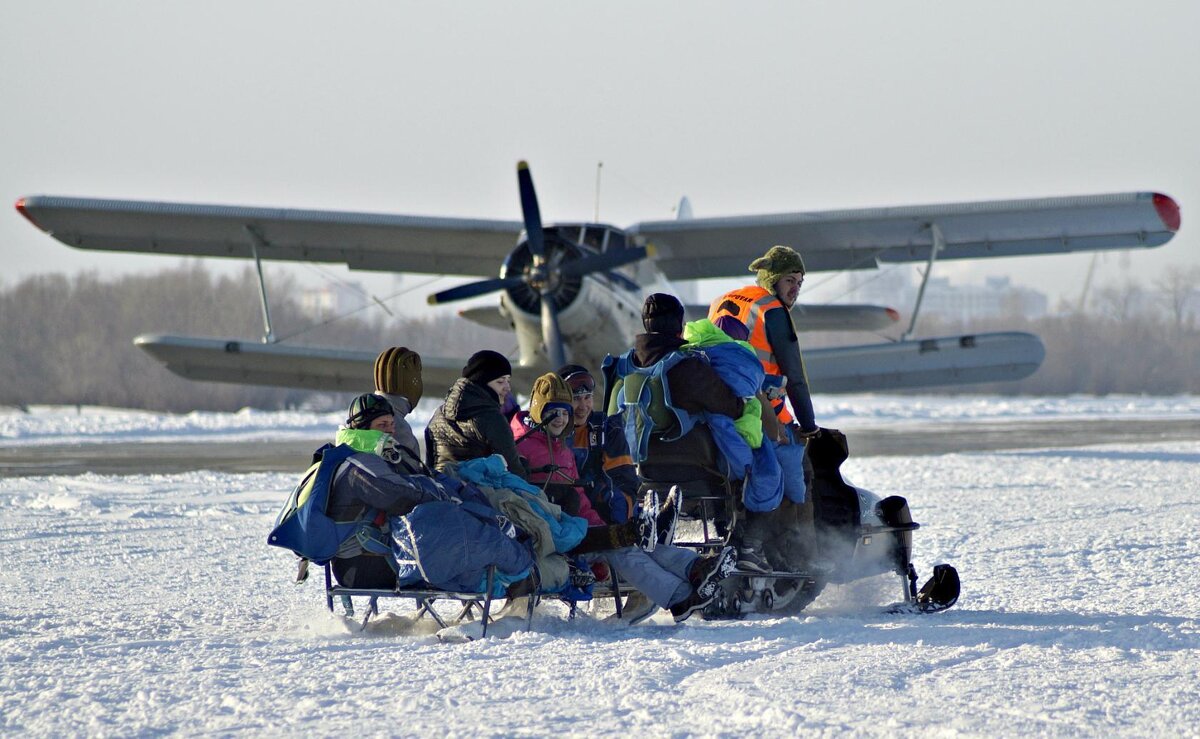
[{"x": 550, "y": 497}]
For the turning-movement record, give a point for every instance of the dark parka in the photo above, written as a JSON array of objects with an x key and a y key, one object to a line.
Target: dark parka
[
  {"x": 469, "y": 425},
  {"x": 366, "y": 481},
  {"x": 696, "y": 388}
]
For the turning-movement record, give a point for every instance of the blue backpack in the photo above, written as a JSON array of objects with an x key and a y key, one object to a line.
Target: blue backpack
[
  {"x": 303, "y": 525},
  {"x": 642, "y": 398}
]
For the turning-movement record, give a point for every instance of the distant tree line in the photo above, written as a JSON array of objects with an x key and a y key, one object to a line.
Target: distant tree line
[
  {"x": 1125, "y": 338},
  {"x": 68, "y": 340}
]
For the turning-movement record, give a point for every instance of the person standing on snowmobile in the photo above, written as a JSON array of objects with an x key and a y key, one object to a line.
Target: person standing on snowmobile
[{"x": 765, "y": 309}]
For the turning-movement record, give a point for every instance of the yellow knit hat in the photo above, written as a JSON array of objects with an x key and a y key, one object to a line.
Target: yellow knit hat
[{"x": 549, "y": 391}]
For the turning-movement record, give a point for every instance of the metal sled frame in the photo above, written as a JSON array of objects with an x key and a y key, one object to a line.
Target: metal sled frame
[{"x": 425, "y": 599}]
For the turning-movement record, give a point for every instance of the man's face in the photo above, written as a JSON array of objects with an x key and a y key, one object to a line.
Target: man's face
[
  {"x": 581, "y": 403},
  {"x": 385, "y": 423},
  {"x": 788, "y": 288}
]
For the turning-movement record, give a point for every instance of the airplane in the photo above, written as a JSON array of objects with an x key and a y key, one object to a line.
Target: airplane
[{"x": 573, "y": 291}]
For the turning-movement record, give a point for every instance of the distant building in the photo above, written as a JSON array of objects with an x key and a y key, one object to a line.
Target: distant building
[
  {"x": 332, "y": 300},
  {"x": 996, "y": 298}
]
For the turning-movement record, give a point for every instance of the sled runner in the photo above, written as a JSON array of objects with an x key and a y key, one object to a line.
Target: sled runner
[
  {"x": 470, "y": 604},
  {"x": 425, "y": 599}
]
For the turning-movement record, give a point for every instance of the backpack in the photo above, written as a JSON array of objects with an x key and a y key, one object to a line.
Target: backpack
[
  {"x": 303, "y": 525},
  {"x": 642, "y": 397}
]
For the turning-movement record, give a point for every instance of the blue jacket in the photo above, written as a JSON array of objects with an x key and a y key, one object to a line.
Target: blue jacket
[
  {"x": 567, "y": 531},
  {"x": 606, "y": 469},
  {"x": 741, "y": 370}
]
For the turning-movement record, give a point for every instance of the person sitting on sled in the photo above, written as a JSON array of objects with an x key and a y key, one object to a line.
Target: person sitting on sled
[
  {"x": 606, "y": 471},
  {"x": 411, "y": 528},
  {"x": 664, "y": 575}
]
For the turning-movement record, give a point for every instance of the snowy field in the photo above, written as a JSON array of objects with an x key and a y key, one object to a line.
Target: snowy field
[
  {"x": 86, "y": 424},
  {"x": 135, "y": 605}
]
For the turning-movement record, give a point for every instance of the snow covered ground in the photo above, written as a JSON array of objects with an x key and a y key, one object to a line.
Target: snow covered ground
[
  {"x": 146, "y": 604},
  {"x": 87, "y": 424}
]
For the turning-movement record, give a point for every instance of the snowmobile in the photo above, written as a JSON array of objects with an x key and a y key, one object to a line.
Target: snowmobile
[{"x": 858, "y": 535}]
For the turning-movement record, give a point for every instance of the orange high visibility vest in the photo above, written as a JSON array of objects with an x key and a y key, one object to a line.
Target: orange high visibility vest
[{"x": 753, "y": 302}]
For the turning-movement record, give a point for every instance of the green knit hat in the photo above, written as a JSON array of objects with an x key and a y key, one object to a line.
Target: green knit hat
[{"x": 777, "y": 262}]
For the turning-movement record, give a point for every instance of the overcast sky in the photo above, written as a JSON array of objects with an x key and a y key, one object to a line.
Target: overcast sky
[{"x": 424, "y": 108}]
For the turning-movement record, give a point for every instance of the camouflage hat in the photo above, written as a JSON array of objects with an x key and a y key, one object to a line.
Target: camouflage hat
[{"x": 777, "y": 262}]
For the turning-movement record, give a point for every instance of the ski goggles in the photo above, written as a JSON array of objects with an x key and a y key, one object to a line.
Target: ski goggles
[{"x": 581, "y": 383}]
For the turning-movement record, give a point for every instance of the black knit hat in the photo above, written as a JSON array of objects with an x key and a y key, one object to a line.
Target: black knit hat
[
  {"x": 485, "y": 366},
  {"x": 662, "y": 314}
]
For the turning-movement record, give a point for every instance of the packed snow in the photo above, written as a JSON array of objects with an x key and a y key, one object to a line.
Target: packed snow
[
  {"x": 88, "y": 424},
  {"x": 148, "y": 604}
]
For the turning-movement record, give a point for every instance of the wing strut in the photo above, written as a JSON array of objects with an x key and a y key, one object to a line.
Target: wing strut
[
  {"x": 939, "y": 243},
  {"x": 256, "y": 240}
]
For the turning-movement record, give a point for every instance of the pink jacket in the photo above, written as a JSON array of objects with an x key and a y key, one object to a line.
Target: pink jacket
[{"x": 541, "y": 450}]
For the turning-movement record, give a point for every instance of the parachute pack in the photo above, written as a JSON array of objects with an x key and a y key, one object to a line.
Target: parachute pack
[
  {"x": 642, "y": 397},
  {"x": 303, "y": 525}
]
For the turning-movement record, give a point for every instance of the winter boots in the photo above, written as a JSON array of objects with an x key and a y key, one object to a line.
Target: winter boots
[
  {"x": 751, "y": 556},
  {"x": 705, "y": 577},
  {"x": 637, "y": 609},
  {"x": 668, "y": 517},
  {"x": 647, "y": 522}
]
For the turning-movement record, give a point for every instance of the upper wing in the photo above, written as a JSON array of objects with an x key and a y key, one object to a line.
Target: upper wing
[
  {"x": 862, "y": 239},
  {"x": 367, "y": 241}
]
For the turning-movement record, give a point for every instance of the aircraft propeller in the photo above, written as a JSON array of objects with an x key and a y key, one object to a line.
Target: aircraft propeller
[{"x": 543, "y": 274}]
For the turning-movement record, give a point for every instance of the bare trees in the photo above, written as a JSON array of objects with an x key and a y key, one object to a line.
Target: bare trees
[{"x": 68, "y": 339}]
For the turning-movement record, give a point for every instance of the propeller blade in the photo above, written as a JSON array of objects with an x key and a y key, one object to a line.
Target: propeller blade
[
  {"x": 551, "y": 336},
  {"x": 530, "y": 212},
  {"x": 602, "y": 262},
  {"x": 472, "y": 289}
]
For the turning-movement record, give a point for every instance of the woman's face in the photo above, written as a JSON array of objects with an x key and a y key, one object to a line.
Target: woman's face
[
  {"x": 502, "y": 385},
  {"x": 558, "y": 420}
]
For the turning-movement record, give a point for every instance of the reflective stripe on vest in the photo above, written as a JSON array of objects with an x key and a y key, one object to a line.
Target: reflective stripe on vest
[{"x": 752, "y": 303}]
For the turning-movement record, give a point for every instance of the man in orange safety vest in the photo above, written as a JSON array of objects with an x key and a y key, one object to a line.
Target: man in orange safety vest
[{"x": 784, "y": 538}]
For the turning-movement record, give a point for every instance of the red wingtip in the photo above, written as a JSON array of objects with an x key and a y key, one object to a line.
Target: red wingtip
[
  {"x": 1168, "y": 211},
  {"x": 20, "y": 206},
  {"x": 894, "y": 315}
]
